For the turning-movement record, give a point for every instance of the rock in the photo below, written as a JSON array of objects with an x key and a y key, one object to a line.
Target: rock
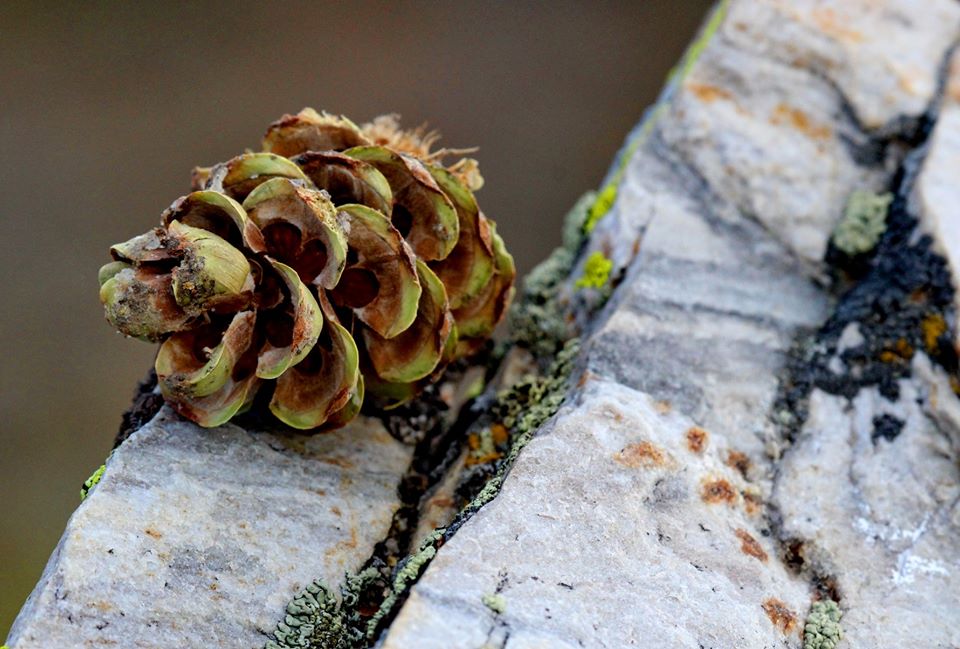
[
  {"x": 879, "y": 514},
  {"x": 198, "y": 537},
  {"x": 707, "y": 314},
  {"x": 749, "y": 431},
  {"x": 877, "y": 54},
  {"x": 937, "y": 194},
  {"x": 620, "y": 525},
  {"x": 725, "y": 204}
]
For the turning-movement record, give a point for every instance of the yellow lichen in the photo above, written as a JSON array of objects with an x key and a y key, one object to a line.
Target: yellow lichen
[
  {"x": 933, "y": 326},
  {"x": 604, "y": 201},
  {"x": 596, "y": 271}
]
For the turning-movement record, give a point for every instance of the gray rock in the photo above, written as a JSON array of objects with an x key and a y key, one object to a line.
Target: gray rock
[
  {"x": 724, "y": 210},
  {"x": 620, "y": 525},
  {"x": 879, "y": 516},
  {"x": 936, "y": 195},
  {"x": 199, "y": 538}
]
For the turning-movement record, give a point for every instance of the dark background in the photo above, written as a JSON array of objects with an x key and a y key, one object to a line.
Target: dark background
[{"x": 105, "y": 108}]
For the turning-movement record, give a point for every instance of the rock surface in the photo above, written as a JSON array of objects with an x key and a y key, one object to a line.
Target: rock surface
[
  {"x": 880, "y": 514},
  {"x": 198, "y": 538},
  {"x": 723, "y": 215},
  {"x": 937, "y": 194},
  {"x": 621, "y": 525},
  {"x": 689, "y": 493}
]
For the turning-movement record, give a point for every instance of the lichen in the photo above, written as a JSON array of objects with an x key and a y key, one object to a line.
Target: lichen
[
  {"x": 601, "y": 205},
  {"x": 314, "y": 618},
  {"x": 495, "y": 603},
  {"x": 933, "y": 327},
  {"x": 822, "y": 629},
  {"x": 900, "y": 303},
  {"x": 91, "y": 482},
  {"x": 521, "y": 409},
  {"x": 408, "y": 572},
  {"x": 317, "y": 619},
  {"x": 596, "y": 271},
  {"x": 485, "y": 445},
  {"x": 863, "y": 222}
]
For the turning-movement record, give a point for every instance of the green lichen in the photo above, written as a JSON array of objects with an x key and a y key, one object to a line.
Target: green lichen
[
  {"x": 409, "y": 571},
  {"x": 314, "y": 618},
  {"x": 317, "y": 619},
  {"x": 90, "y": 483},
  {"x": 863, "y": 223},
  {"x": 495, "y": 603},
  {"x": 523, "y": 408},
  {"x": 596, "y": 271},
  {"x": 600, "y": 206},
  {"x": 822, "y": 629}
]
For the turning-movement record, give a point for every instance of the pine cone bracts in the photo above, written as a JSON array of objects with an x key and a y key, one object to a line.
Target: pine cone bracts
[{"x": 338, "y": 261}]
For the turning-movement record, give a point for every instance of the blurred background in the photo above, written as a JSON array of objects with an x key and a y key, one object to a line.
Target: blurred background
[{"x": 105, "y": 108}]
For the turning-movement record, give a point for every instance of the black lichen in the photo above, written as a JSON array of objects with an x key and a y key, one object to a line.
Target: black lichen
[
  {"x": 900, "y": 305},
  {"x": 886, "y": 427}
]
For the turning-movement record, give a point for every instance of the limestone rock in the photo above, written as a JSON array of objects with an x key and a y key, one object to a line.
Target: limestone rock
[
  {"x": 937, "y": 194},
  {"x": 622, "y": 524},
  {"x": 724, "y": 208},
  {"x": 198, "y": 538},
  {"x": 878, "y": 514}
]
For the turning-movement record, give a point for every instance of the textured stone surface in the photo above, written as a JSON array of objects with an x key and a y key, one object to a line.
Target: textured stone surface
[
  {"x": 878, "y": 54},
  {"x": 198, "y": 538},
  {"x": 937, "y": 194},
  {"x": 762, "y": 117},
  {"x": 721, "y": 222},
  {"x": 880, "y": 516},
  {"x": 621, "y": 525}
]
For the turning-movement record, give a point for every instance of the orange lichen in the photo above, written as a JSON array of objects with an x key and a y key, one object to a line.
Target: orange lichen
[
  {"x": 708, "y": 93},
  {"x": 718, "y": 490},
  {"x": 900, "y": 351},
  {"x": 799, "y": 120},
  {"x": 780, "y": 614},
  {"x": 828, "y": 22},
  {"x": 499, "y": 433},
  {"x": 642, "y": 454},
  {"x": 750, "y": 545},
  {"x": 933, "y": 326},
  {"x": 663, "y": 407},
  {"x": 481, "y": 453},
  {"x": 752, "y": 502},
  {"x": 739, "y": 461},
  {"x": 697, "y": 439}
]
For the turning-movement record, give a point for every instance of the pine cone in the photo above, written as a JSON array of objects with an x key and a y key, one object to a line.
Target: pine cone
[{"x": 340, "y": 260}]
